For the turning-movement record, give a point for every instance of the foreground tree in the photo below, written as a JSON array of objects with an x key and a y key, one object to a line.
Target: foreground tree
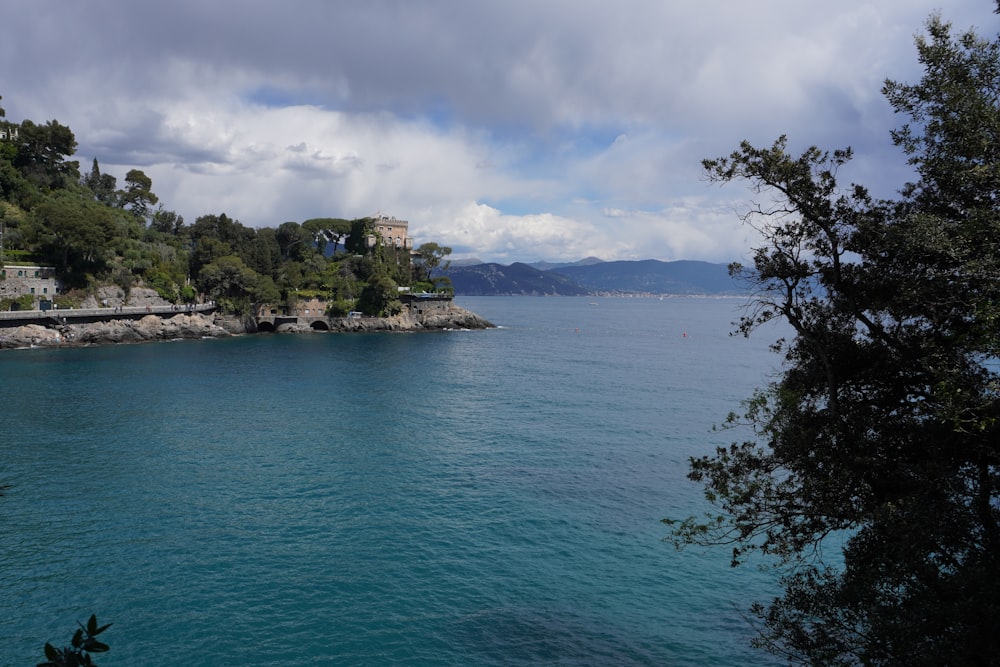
[
  {"x": 78, "y": 653},
  {"x": 882, "y": 433}
]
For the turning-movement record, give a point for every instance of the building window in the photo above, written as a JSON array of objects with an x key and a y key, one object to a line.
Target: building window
[{"x": 32, "y": 290}]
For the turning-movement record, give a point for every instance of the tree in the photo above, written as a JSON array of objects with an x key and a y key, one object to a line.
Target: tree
[
  {"x": 295, "y": 242},
  {"x": 167, "y": 222},
  {"x": 41, "y": 154},
  {"x": 264, "y": 256},
  {"x": 380, "y": 297},
  {"x": 102, "y": 185},
  {"x": 138, "y": 194},
  {"x": 431, "y": 257},
  {"x": 72, "y": 231},
  {"x": 223, "y": 228},
  {"x": 83, "y": 643},
  {"x": 356, "y": 242},
  {"x": 326, "y": 230},
  {"x": 205, "y": 251},
  {"x": 883, "y": 430},
  {"x": 235, "y": 285}
]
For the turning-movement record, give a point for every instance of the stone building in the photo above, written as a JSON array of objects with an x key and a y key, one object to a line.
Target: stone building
[{"x": 20, "y": 279}]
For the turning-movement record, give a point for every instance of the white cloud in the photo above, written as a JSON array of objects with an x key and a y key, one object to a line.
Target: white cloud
[{"x": 513, "y": 130}]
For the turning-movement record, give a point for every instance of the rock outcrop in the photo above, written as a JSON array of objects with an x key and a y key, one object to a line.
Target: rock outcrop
[
  {"x": 196, "y": 325},
  {"x": 149, "y": 328},
  {"x": 451, "y": 317}
]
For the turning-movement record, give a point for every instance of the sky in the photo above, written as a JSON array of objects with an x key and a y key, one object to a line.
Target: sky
[{"x": 509, "y": 130}]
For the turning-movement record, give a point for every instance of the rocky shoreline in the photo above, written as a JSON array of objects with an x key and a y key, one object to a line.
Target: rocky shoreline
[{"x": 183, "y": 326}]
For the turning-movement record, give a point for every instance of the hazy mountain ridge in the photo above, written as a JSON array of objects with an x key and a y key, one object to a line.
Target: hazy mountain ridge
[
  {"x": 593, "y": 276},
  {"x": 516, "y": 279}
]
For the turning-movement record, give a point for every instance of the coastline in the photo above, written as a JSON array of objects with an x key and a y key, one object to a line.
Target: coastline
[{"x": 172, "y": 326}]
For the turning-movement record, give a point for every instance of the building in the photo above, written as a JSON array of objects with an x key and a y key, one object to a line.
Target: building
[
  {"x": 19, "y": 279},
  {"x": 392, "y": 231}
]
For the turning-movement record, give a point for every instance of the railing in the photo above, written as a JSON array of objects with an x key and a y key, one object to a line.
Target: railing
[{"x": 109, "y": 312}]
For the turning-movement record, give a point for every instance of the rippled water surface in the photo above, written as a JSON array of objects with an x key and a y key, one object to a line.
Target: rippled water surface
[{"x": 454, "y": 498}]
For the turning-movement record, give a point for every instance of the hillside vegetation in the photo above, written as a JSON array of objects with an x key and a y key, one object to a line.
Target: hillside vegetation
[{"x": 97, "y": 232}]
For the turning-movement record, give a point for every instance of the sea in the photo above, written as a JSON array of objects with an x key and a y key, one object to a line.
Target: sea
[{"x": 438, "y": 498}]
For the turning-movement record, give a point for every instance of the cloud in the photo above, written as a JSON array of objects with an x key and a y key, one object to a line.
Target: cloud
[{"x": 512, "y": 130}]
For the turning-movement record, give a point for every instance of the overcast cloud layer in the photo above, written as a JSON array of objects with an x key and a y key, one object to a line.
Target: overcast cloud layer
[{"x": 510, "y": 130}]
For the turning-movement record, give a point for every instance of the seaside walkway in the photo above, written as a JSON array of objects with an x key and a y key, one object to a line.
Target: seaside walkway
[{"x": 16, "y": 318}]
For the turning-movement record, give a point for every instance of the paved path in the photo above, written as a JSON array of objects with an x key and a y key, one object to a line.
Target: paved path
[{"x": 71, "y": 314}]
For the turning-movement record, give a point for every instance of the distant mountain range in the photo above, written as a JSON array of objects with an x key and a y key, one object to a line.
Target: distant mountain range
[{"x": 593, "y": 276}]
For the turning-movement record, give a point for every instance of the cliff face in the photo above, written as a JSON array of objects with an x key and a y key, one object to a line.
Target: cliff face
[{"x": 195, "y": 325}]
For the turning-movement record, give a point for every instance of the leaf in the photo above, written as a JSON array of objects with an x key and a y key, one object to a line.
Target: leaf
[
  {"x": 51, "y": 652},
  {"x": 77, "y": 638},
  {"x": 92, "y": 624},
  {"x": 100, "y": 629},
  {"x": 95, "y": 646}
]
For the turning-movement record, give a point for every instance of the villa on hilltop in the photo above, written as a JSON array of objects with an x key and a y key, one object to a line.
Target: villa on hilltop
[{"x": 392, "y": 231}]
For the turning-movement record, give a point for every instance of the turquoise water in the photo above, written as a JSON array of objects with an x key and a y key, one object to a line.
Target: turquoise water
[{"x": 454, "y": 498}]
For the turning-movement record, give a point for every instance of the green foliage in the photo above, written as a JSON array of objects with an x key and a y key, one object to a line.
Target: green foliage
[
  {"x": 264, "y": 255},
  {"x": 380, "y": 297},
  {"x": 443, "y": 285},
  {"x": 23, "y": 302},
  {"x": 206, "y": 250},
  {"x": 432, "y": 257},
  {"x": 96, "y": 234},
  {"x": 41, "y": 155},
  {"x": 188, "y": 294},
  {"x": 164, "y": 285},
  {"x": 295, "y": 242},
  {"x": 328, "y": 230},
  {"x": 882, "y": 429},
  {"x": 357, "y": 239},
  {"x": 71, "y": 299},
  {"x": 235, "y": 285},
  {"x": 104, "y": 186},
  {"x": 16, "y": 256},
  {"x": 421, "y": 286},
  {"x": 167, "y": 222},
  {"x": 339, "y": 308},
  {"x": 82, "y": 645},
  {"x": 72, "y": 232},
  {"x": 138, "y": 195}
]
